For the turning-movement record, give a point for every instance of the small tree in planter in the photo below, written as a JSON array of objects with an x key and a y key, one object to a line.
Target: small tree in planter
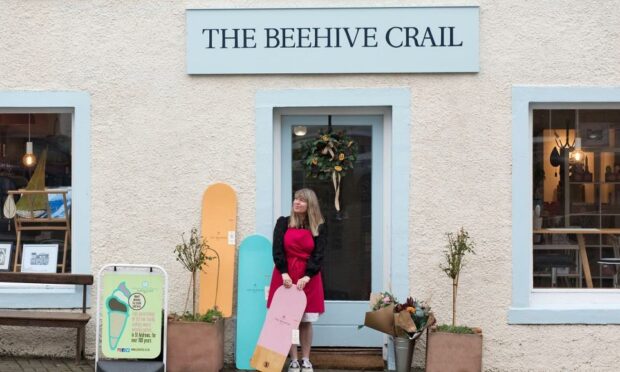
[
  {"x": 454, "y": 254},
  {"x": 452, "y": 347},
  {"x": 195, "y": 341}
]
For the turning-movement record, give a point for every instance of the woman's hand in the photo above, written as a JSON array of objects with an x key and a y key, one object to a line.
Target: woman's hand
[
  {"x": 301, "y": 283},
  {"x": 286, "y": 279}
]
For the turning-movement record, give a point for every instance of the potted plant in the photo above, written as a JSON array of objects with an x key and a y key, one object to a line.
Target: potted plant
[
  {"x": 452, "y": 347},
  {"x": 195, "y": 341}
]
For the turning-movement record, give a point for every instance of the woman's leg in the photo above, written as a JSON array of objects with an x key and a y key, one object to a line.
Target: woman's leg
[
  {"x": 305, "y": 335},
  {"x": 293, "y": 352}
]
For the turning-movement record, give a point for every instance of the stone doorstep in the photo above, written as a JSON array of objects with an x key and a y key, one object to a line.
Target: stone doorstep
[{"x": 359, "y": 359}]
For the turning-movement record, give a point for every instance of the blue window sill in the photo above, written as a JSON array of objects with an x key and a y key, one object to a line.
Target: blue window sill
[{"x": 531, "y": 315}]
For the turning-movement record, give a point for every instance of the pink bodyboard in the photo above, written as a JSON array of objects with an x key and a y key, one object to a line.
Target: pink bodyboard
[{"x": 275, "y": 340}]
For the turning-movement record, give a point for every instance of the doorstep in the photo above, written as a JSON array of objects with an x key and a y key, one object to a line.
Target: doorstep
[{"x": 358, "y": 359}]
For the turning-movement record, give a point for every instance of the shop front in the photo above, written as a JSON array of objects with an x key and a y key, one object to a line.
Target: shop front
[{"x": 486, "y": 116}]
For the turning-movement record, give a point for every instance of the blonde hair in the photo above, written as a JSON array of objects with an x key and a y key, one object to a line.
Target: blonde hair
[{"x": 313, "y": 214}]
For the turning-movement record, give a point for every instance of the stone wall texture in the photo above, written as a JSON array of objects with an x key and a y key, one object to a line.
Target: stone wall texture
[{"x": 160, "y": 136}]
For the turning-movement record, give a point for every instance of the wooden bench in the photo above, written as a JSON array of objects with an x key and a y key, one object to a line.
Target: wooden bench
[{"x": 35, "y": 318}]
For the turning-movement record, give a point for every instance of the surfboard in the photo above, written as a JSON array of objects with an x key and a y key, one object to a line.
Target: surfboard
[
  {"x": 255, "y": 268},
  {"x": 219, "y": 219},
  {"x": 276, "y": 337}
]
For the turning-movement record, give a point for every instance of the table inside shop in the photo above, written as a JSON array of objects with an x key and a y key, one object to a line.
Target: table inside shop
[{"x": 580, "y": 232}]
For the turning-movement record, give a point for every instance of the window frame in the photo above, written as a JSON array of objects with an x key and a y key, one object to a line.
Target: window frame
[
  {"x": 78, "y": 104},
  {"x": 549, "y": 306}
]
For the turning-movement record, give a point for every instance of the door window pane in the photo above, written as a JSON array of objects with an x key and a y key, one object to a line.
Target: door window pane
[{"x": 347, "y": 263}]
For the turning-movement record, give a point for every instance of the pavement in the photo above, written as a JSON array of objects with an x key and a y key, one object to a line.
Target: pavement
[{"x": 23, "y": 364}]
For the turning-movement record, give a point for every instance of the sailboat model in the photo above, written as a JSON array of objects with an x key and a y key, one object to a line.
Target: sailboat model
[{"x": 34, "y": 205}]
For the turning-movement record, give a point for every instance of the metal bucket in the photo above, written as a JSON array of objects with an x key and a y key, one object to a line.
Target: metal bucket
[{"x": 403, "y": 352}]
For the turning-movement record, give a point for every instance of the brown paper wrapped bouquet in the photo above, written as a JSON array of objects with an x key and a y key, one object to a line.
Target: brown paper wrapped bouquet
[{"x": 389, "y": 316}]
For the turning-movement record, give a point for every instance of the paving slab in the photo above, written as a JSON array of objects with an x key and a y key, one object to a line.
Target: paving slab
[{"x": 36, "y": 364}]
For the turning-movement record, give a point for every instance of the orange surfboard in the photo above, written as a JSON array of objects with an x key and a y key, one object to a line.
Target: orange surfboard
[{"x": 218, "y": 226}]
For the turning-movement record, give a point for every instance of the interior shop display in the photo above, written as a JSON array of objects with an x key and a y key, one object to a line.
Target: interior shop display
[
  {"x": 329, "y": 156},
  {"x": 35, "y": 204},
  {"x": 255, "y": 267},
  {"x": 44, "y": 222},
  {"x": 39, "y": 258},
  {"x": 6, "y": 250},
  {"x": 29, "y": 159},
  {"x": 9, "y": 209},
  {"x": 276, "y": 337},
  {"x": 576, "y": 198},
  {"x": 218, "y": 226},
  {"x": 35, "y": 186}
]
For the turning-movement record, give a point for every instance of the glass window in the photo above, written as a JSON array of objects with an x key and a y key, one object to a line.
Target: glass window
[
  {"x": 576, "y": 198},
  {"x": 35, "y": 153},
  {"x": 350, "y": 230}
]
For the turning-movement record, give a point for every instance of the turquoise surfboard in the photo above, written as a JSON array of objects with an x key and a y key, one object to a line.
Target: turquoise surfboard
[{"x": 255, "y": 268}]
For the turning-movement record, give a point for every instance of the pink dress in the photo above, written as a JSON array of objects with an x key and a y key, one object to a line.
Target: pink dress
[{"x": 298, "y": 246}]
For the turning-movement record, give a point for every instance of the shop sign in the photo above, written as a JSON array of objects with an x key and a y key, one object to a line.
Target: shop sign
[
  {"x": 131, "y": 313},
  {"x": 333, "y": 40}
]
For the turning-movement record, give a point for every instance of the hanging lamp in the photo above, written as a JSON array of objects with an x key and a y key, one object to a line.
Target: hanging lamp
[{"x": 29, "y": 159}]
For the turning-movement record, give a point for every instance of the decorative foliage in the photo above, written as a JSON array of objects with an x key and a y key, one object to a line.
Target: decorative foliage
[
  {"x": 191, "y": 254},
  {"x": 454, "y": 329},
  {"x": 419, "y": 311},
  {"x": 211, "y": 316},
  {"x": 383, "y": 299},
  {"x": 328, "y": 153},
  {"x": 458, "y": 245}
]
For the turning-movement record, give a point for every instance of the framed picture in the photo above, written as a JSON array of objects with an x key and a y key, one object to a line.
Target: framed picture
[
  {"x": 5, "y": 256},
  {"x": 39, "y": 258},
  {"x": 594, "y": 134}
]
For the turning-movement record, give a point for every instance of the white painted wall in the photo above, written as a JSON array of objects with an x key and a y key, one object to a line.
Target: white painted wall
[{"x": 159, "y": 137}]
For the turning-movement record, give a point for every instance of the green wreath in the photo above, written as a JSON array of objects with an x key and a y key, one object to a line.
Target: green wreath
[{"x": 329, "y": 156}]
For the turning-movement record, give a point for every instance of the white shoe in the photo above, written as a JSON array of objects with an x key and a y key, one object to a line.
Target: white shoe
[
  {"x": 293, "y": 366},
  {"x": 306, "y": 366}
]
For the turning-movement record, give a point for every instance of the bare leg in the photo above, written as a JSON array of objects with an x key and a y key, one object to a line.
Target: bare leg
[
  {"x": 293, "y": 352},
  {"x": 305, "y": 335}
]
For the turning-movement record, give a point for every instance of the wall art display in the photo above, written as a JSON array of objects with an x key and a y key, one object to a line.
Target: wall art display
[
  {"x": 40, "y": 258},
  {"x": 5, "y": 255},
  {"x": 594, "y": 134}
]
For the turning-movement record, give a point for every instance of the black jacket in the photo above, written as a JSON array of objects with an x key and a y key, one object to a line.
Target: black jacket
[{"x": 316, "y": 258}]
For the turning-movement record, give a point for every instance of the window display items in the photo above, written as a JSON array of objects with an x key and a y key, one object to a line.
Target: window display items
[
  {"x": 34, "y": 205},
  {"x": 5, "y": 256},
  {"x": 29, "y": 159},
  {"x": 39, "y": 258}
]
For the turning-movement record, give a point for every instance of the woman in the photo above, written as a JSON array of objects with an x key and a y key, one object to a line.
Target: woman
[{"x": 298, "y": 245}]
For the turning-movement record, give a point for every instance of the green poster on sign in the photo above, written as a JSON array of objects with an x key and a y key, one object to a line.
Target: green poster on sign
[{"x": 131, "y": 314}]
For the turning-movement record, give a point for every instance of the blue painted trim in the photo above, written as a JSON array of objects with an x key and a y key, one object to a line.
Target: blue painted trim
[
  {"x": 563, "y": 316},
  {"x": 399, "y": 99},
  {"x": 79, "y": 104},
  {"x": 522, "y": 99}
]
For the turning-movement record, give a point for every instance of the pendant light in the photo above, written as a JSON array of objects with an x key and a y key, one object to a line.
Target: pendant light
[
  {"x": 29, "y": 159},
  {"x": 300, "y": 130}
]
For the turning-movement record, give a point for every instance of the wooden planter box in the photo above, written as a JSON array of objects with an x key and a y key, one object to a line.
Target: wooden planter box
[
  {"x": 446, "y": 352},
  {"x": 195, "y": 346}
]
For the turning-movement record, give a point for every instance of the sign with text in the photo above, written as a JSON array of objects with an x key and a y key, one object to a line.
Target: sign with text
[
  {"x": 131, "y": 314},
  {"x": 333, "y": 40}
]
